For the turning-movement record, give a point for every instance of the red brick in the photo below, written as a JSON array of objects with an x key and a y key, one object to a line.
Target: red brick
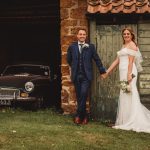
[
  {"x": 67, "y": 3},
  {"x": 64, "y": 13},
  {"x": 64, "y": 31},
  {"x": 66, "y": 40},
  {"x": 65, "y": 23},
  {"x": 65, "y": 70},
  {"x": 78, "y": 13},
  {"x": 64, "y": 96}
]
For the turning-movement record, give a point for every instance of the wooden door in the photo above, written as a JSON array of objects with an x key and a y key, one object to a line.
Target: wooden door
[
  {"x": 104, "y": 96},
  {"x": 144, "y": 76}
]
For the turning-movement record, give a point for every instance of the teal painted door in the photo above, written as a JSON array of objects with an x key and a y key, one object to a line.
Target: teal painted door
[{"x": 105, "y": 93}]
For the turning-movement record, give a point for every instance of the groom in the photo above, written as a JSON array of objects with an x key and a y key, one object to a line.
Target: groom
[{"x": 79, "y": 58}]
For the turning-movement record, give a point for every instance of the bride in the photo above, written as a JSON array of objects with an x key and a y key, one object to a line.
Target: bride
[{"x": 131, "y": 114}]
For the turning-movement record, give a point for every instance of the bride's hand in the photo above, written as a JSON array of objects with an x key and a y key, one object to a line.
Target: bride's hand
[
  {"x": 104, "y": 76},
  {"x": 129, "y": 78}
]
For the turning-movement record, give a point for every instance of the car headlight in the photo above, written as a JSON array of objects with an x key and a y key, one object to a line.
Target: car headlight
[{"x": 29, "y": 86}]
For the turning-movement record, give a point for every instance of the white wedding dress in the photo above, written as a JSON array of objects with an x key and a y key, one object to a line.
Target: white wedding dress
[{"x": 131, "y": 114}]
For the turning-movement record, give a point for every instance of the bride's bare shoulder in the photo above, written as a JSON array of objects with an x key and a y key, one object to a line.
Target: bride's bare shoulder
[{"x": 132, "y": 46}]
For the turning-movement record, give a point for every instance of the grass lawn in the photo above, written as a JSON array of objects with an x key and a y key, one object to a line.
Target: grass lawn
[{"x": 47, "y": 130}]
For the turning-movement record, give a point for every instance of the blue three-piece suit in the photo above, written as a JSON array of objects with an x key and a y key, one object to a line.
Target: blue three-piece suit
[{"x": 82, "y": 72}]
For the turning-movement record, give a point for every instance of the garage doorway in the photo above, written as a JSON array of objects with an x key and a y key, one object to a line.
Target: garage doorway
[{"x": 30, "y": 33}]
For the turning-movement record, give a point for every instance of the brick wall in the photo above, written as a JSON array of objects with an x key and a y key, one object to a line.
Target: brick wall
[{"x": 72, "y": 17}]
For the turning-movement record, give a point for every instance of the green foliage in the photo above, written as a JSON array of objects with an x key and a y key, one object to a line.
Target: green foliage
[{"x": 48, "y": 130}]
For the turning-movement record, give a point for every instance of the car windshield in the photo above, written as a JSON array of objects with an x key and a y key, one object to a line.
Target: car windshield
[{"x": 36, "y": 70}]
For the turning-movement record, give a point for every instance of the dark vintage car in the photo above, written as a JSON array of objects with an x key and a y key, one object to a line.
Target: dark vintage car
[{"x": 26, "y": 83}]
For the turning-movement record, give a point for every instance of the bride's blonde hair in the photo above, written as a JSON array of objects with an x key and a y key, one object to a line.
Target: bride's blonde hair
[{"x": 132, "y": 34}]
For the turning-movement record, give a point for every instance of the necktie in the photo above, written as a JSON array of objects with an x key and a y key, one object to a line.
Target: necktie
[{"x": 80, "y": 49}]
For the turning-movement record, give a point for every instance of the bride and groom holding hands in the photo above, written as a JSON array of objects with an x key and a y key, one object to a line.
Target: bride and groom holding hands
[{"x": 131, "y": 114}]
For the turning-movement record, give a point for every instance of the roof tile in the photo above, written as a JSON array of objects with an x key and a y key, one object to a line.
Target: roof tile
[{"x": 117, "y": 6}]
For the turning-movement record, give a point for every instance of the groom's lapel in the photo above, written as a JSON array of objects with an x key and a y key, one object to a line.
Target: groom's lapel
[
  {"x": 85, "y": 52},
  {"x": 76, "y": 49}
]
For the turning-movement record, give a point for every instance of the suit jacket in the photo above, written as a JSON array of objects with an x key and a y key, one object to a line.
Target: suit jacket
[{"x": 89, "y": 54}]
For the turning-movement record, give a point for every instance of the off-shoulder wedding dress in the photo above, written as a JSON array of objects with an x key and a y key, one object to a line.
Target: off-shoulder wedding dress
[{"x": 131, "y": 114}]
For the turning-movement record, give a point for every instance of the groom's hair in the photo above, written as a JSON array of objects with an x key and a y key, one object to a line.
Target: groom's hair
[{"x": 81, "y": 29}]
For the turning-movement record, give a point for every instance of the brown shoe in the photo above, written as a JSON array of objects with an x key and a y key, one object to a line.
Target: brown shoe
[
  {"x": 85, "y": 121},
  {"x": 77, "y": 120}
]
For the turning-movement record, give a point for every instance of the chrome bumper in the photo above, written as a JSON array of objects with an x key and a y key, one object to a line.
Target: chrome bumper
[{"x": 9, "y": 95}]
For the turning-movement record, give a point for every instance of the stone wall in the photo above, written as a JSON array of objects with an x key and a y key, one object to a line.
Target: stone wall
[{"x": 72, "y": 17}]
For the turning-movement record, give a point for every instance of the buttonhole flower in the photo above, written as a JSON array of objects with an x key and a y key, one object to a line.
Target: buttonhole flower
[{"x": 85, "y": 45}]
